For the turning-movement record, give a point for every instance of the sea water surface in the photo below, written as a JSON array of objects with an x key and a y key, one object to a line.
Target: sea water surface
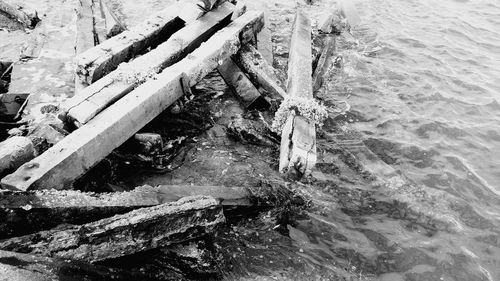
[
  {"x": 422, "y": 79},
  {"x": 423, "y": 82}
]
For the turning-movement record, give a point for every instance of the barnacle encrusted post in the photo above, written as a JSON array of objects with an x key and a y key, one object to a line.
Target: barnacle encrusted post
[{"x": 297, "y": 116}]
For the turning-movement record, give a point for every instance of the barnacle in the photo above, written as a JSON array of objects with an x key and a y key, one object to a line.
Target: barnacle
[{"x": 305, "y": 107}]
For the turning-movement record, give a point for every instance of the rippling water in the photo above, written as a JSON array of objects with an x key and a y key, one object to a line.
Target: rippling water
[{"x": 423, "y": 81}]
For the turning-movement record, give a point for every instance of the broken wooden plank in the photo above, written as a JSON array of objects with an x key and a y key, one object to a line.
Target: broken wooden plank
[
  {"x": 23, "y": 267},
  {"x": 241, "y": 86},
  {"x": 298, "y": 138},
  {"x": 59, "y": 166},
  {"x": 89, "y": 103},
  {"x": 260, "y": 71},
  {"x": 23, "y": 213},
  {"x": 104, "y": 58},
  {"x": 323, "y": 62},
  {"x": 20, "y": 13},
  {"x": 137, "y": 231}
]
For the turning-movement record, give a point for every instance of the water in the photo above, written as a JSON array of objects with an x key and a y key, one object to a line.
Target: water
[{"x": 422, "y": 81}]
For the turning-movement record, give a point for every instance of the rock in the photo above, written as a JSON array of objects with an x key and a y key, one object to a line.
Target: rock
[
  {"x": 250, "y": 131},
  {"x": 14, "y": 152},
  {"x": 148, "y": 143}
]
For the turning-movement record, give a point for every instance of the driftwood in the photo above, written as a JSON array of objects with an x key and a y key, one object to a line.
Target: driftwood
[
  {"x": 59, "y": 166},
  {"x": 23, "y": 213},
  {"x": 104, "y": 58},
  {"x": 23, "y": 267},
  {"x": 20, "y": 13},
  {"x": 298, "y": 137},
  {"x": 137, "y": 231},
  {"x": 239, "y": 83},
  {"x": 260, "y": 71},
  {"x": 94, "y": 99}
]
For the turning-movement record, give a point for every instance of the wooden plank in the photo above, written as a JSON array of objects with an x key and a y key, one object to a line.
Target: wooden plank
[
  {"x": 112, "y": 26},
  {"x": 104, "y": 58},
  {"x": 84, "y": 26},
  {"x": 298, "y": 139},
  {"x": 23, "y": 213},
  {"x": 23, "y": 267},
  {"x": 136, "y": 231},
  {"x": 14, "y": 152},
  {"x": 323, "y": 62},
  {"x": 89, "y": 103},
  {"x": 260, "y": 71},
  {"x": 59, "y": 166},
  {"x": 241, "y": 86}
]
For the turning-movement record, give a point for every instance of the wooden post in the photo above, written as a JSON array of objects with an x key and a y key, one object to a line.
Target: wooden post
[
  {"x": 98, "y": 96},
  {"x": 59, "y": 166},
  {"x": 298, "y": 138},
  {"x": 260, "y": 71},
  {"x": 137, "y": 231}
]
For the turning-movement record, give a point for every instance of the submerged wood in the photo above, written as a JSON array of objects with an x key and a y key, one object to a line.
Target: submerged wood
[
  {"x": 260, "y": 71},
  {"x": 298, "y": 138},
  {"x": 63, "y": 163},
  {"x": 239, "y": 83},
  {"x": 323, "y": 62},
  {"x": 104, "y": 58},
  {"x": 23, "y": 267},
  {"x": 113, "y": 86},
  {"x": 137, "y": 231}
]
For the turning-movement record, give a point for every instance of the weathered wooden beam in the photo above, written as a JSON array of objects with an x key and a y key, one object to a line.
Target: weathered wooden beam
[
  {"x": 104, "y": 58},
  {"x": 23, "y": 213},
  {"x": 59, "y": 166},
  {"x": 23, "y": 267},
  {"x": 89, "y": 103},
  {"x": 298, "y": 138},
  {"x": 84, "y": 26},
  {"x": 20, "y": 13},
  {"x": 241, "y": 86},
  {"x": 137, "y": 231},
  {"x": 260, "y": 71},
  {"x": 323, "y": 62}
]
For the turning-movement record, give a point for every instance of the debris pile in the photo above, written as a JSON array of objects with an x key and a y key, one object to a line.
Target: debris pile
[{"x": 123, "y": 80}]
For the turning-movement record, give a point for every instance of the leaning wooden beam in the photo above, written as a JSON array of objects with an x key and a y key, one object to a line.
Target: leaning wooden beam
[
  {"x": 323, "y": 62},
  {"x": 241, "y": 86},
  {"x": 59, "y": 166},
  {"x": 137, "y": 231},
  {"x": 298, "y": 137},
  {"x": 102, "y": 59},
  {"x": 89, "y": 103},
  {"x": 260, "y": 71},
  {"x": 23, "y": 267},
  {"x": 107, "y": 24},
  {"x": 27, "y": 17}
]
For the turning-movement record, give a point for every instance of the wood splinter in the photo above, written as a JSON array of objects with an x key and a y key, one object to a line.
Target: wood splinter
[{"x": 298, "y": 137}]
